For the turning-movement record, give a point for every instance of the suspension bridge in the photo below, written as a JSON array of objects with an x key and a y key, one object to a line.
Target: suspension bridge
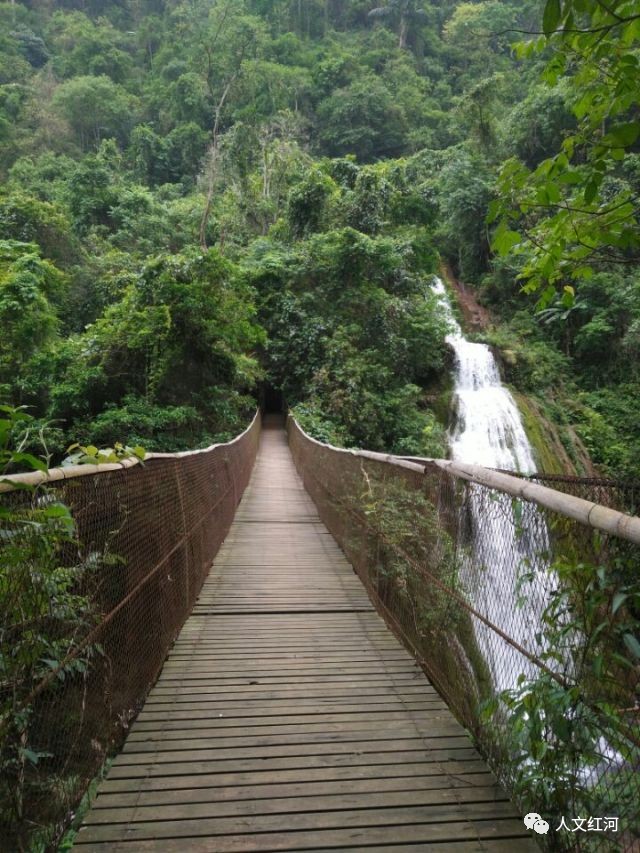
[{"x": 301, "y": 692}]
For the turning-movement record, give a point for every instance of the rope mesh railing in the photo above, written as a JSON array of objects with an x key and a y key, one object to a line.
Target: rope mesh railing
[
  {"x": 623, "y": 495},
  {"x": 89, "y": 606},
  {"x": 521, "y": 613}
]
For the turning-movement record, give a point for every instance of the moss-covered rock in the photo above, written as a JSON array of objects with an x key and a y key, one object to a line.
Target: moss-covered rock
[{"x": 557, "y": 448}]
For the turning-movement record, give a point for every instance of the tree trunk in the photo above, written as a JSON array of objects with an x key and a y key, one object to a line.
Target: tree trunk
[
  {"x": 213, "y": 166},
  {"x": 404, "y": 32}
]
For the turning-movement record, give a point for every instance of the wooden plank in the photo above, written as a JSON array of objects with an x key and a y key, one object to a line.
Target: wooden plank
[
  {"x": 360, "y": 746},
  {"x": 260, "y": 790},
  {"x": 508, "y": 845},
  {"x": 478, "y": 837},
  {"x": 233, "y": 660},
  {"x": 436, "y": 771},
  {"x": 270, "y": 804},
  {"x": 231, "y": 729},
  {"x": 195, "y": 679},
  {"x": 320, "y": 694},
  {"x": 291, "y": 821},
  {"x": 283, "y": 722},
  {"x": 278, "y": 706},
  {"x": 275, "y": 710},
  {"x": 453, "y": 758},
  {"x": 288, "y": 717},
  {"x": 205, "y": 745},
  {"x": 371, "y": 665},
  {"x": 194, "y": 683}
]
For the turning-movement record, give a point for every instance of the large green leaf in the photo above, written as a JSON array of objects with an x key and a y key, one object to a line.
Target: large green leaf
[
  {"x": 551, "y": 16},
  {"x": 29, "y": 460},
  {"x": 623, "y": 135},
  {"x": 633, "y": 645},
  {"x": 504, "y": 240}
]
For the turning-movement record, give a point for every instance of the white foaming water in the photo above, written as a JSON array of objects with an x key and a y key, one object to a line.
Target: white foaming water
[
  {"x": 488, "y": 431},
  {"x": 488, "y": 428}
]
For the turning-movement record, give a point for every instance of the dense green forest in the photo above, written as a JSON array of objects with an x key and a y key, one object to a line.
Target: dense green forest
[{"x": 203, "y": 196}]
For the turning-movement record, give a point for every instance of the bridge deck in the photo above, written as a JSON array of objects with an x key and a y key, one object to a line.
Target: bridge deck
[{"x": 288, "y": 717}]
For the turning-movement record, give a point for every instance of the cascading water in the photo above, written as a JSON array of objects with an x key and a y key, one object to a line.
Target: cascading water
[
  {"x": 488, "y": 428},
  {"x": 489, "y": 431}
]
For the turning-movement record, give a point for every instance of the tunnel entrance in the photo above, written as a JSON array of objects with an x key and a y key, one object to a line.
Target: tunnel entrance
[{"x": 272, "y": 399}]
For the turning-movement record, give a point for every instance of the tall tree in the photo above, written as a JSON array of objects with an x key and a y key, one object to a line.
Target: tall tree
[
  {"x": 579, "y": 208},
  {"x": 403, "y": 13},
  {"x": 226, "y": 43}
]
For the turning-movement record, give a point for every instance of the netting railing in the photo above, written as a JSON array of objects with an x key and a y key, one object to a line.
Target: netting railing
[
  {"x": 98, "y": 571},
  {"x": 623, "y": 495},
  {"x": 522, "y": 603}
]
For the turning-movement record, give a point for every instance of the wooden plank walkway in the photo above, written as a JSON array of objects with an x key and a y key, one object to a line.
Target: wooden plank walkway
[{"x": 288, "y": 717}]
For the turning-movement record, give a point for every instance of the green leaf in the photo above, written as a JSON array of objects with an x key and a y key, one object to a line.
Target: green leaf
[
  {"x": 633, "y": 645},
  {"x": 568, "y": 297},
  {"x": 618, "y": 600},
  {"x": 623, "y": 135},
  {"x": 553, "y": 193},
  {"x": 504, "y": 240},
  {"x": 622, "y": 661},
  {"x": 33, "y": 757},
  {"x": 583, "y": 272},
  {"x": 573, "y": 177},
  {"x": 30, "y": 460},
  {"x": 590, "y": 192},
  {"x": 551, "y": 16},
  {"x": 56, "y": 511},
  {"x": 17, "y": 414},
  {"x": 494, "y": 210}
]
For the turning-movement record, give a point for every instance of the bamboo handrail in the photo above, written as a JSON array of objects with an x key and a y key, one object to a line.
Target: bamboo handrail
[
  {"x": 585, "y": 512},
  {"x": 10, "y": 482}
]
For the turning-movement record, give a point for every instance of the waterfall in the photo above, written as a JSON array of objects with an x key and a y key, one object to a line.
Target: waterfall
[{"x": 488, "y": 431}]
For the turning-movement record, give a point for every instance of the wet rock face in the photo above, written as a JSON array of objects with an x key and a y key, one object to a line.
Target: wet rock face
[{"x": 476, "y": 317}]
